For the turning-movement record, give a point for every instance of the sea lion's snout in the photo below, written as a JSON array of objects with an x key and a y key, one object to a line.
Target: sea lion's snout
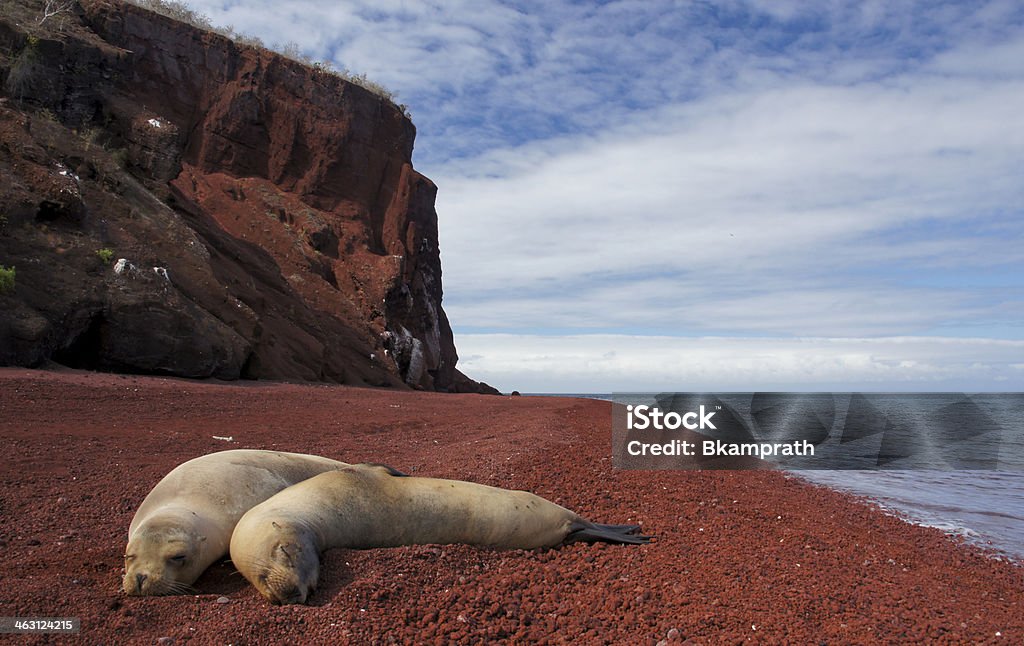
[
  {"x": 281, "y": 588},
  {"x": 287, "y": 597},
  {"x": 132, "y": 586},
  {"x": 137, "y": 584},
  {"x": 141, "y": 584}
]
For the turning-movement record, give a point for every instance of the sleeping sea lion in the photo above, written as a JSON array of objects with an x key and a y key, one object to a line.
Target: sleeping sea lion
[{"x": 277, "y": 544}]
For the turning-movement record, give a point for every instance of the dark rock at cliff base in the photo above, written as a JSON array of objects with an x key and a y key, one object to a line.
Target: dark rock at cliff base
[
  {"x": 463, "y": 384},
  {"x": 177, "y": 203}
]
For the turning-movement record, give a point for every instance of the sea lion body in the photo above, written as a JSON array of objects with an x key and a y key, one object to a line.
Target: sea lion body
[
  {"x": 277, "y": 544},
  {"x": 185, "y": 522}
]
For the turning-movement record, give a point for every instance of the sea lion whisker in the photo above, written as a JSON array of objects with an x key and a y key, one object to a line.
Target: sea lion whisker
[{"x": 178, "y": 587}]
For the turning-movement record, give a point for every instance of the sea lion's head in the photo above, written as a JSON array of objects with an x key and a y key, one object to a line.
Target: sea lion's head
[
  {"x": 281, "y": 561},
  {"x": 162, "y": 557}
]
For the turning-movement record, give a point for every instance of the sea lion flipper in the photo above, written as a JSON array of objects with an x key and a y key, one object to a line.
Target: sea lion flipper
[
  {"x": 587, "y": 532},
  {"x": 390, "y": 469}
]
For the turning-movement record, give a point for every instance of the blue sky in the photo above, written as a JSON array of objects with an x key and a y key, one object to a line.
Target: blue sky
[{"x": 647, "y": 195}]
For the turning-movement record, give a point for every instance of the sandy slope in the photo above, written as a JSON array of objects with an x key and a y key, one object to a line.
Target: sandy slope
[{"x": 741, "y": 556}]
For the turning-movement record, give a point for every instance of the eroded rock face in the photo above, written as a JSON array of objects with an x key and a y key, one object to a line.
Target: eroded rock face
[{"x": 297, "y": 240}]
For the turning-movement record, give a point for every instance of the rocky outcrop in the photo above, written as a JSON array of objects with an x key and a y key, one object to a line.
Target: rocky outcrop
[{"x": 177, "y": 203}]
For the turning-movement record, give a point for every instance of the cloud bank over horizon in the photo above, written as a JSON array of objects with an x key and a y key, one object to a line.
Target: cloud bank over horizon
[
  {"x": 722, "y": 181},
  {"x": 599, "y": 363}
]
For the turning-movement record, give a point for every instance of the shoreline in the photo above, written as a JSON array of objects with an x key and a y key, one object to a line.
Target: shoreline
[
  {"x": 760, "y": 555},
  {"x": 967, "y": 524}
]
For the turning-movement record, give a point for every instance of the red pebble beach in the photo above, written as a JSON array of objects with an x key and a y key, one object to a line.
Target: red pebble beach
[{"x": 740, "y": 557}]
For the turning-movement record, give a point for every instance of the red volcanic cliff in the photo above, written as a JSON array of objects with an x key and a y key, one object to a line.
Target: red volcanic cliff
[{"x": 269, "y": 219}]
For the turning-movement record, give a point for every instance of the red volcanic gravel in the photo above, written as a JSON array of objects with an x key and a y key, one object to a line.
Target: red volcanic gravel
[{"x": 750, "y": 556}]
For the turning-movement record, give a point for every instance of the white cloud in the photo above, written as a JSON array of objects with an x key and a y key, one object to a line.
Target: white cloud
[
  {"x": 622, "y": 363},
  {"x": 795, "y": 209}
]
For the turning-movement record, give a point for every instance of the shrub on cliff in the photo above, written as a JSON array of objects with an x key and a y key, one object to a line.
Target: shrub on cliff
[
  {"x": 178, "y": 11},
  {"x": 56, "y": 9},
  {"x": 6, "y": 279},
  {"x": 24, "y": 69},
  {"x": 294, "y": 52}
]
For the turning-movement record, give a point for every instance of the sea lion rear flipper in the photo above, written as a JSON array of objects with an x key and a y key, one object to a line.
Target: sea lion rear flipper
[{"x": 587, "y": 532}]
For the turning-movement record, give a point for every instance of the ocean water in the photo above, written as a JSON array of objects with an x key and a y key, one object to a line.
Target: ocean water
[{"x": 984, "y": 507}]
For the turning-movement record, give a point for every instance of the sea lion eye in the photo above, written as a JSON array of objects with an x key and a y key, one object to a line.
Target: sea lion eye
[
  {"x": 177, "y": 560},
  {"x": 129, "y": 557}
]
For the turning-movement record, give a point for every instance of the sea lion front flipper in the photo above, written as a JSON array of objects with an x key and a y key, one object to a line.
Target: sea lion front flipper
[
  {"x": 587, "y": 532},
  {"x": 392, "y": 471}
]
